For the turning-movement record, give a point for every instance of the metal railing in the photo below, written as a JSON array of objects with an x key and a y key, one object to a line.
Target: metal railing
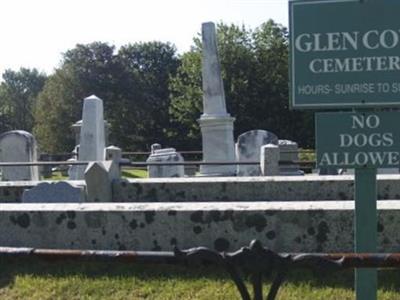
[
  {"x": 254, "y": 260},
  {"x": 143, "y": 163}
]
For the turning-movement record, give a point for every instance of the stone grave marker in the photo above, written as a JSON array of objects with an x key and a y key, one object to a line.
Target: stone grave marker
[
  {"x": 55, "y": 192},
  {"x": 248, "y": 148},
  {"x": 18, "y": 146},
  {"x": 216, "y": 124},
  {"x": 289, "y": 152},
  {"x": 165, "y": 155},
  {"x": 92, "y": 138}
]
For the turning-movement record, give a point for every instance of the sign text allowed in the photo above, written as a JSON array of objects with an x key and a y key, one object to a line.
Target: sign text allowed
[{"x": 352, "y": 140}]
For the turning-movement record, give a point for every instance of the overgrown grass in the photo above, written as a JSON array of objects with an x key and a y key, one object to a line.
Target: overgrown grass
[{"x": 26, "y": 279}]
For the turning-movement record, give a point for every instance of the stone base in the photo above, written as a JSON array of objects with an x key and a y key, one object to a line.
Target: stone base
[{"x": 218, "y": 144}]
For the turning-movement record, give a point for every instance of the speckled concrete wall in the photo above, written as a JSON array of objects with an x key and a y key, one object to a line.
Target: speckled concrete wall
[
  {"x": 282, "y": 226},
  {"x": 279, "y": 188}
]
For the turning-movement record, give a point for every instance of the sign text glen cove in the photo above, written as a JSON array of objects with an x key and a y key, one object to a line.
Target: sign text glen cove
[
  {"x": 350, "y": 41},
  {"x": 364, "y": 143}
]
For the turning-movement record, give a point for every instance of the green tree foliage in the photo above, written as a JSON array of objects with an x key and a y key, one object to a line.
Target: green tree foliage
[
  {"x": 145, "y": 99},
  {"x": 132, "y": 82},
  {"x": 255, "y": 72},
  {"x": 18, "y": 94},
  {"x": 85, "y": 70}
]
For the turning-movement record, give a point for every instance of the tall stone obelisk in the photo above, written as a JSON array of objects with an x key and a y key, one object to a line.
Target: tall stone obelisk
[{"x": 215, "y": 123}]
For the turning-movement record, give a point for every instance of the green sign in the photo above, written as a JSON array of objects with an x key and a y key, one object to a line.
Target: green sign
[
  {"x": 353, "y": 140},
  {"x": 344, "y": 53}
]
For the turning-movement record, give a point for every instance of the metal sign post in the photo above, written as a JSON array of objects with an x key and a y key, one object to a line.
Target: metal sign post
[{"x": 365, "y": 240}]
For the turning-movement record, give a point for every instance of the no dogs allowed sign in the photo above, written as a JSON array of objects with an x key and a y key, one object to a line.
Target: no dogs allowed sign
[{"x": 352, "y": 140}]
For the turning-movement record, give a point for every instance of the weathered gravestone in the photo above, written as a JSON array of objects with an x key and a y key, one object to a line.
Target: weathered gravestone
[
  {"x": 55, "y": 192},
  {"x": 248, "y": 148},
  {"x": 18, "y": 146},
  {"x": 114, "y": 154},
  {"x": 167, "y": 155},
  {"x": 92, "y": 138},
  {"x": 269, "y": 160},
  {"x": 215, "y": 123},
  {"x": 99, "y": 177},
  {"x": 289, "y": 156}
]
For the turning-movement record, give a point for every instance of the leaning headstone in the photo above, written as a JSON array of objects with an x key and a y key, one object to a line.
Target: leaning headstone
[
  {"x": 248, "y": 148},
  {"x": 215, "y": 123},
  {"x": 269, "y": 160},
  {"x": 55, "y": 192},
  {"x": 289, "y": 156},
  {"x": 167, "y": 155},
  {"x": 99, "y": 177},
  {"x": 92, "y": 139},
  {"x": 18, "y": 146}
]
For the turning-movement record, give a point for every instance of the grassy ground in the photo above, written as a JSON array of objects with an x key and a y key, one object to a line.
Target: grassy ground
[
  {"x": 25, "y": 279},
  {"x": 126, "y": 173},
  {"x": 134, "y": 173}
]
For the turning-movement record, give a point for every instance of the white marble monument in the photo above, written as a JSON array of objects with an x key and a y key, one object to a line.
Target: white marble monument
[
  {"x": 215, "y": 123},
  {"x": 92, "y": 137}
]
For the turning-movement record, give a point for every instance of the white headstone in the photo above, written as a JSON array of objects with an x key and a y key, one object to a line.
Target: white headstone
[
  {"x": 248, "y": 148},
  {"x": 92, "y": 138},
  {"x": 215, "y": 123},
  {"x": 99, "y": 177},
  {"x": 167, "y": 155},
  {"x": 18, "y": 146},
  {"x": 55, "y": 192}
]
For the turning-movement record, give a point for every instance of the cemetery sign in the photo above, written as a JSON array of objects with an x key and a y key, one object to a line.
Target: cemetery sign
[{"x": 344, "y": 53}]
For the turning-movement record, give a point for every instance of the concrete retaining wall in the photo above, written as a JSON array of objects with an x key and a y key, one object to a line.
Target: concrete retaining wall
[
  {"x": 279, "y": 188},
  {"x": 275, "y": 188},
  {"x": 282, "y": 226}
]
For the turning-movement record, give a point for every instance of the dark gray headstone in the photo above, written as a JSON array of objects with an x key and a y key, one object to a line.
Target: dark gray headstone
[{"x": 55, "y": 192}]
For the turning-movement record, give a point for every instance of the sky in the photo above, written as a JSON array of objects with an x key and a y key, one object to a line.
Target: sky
[{"x": 35, "y": 33}]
